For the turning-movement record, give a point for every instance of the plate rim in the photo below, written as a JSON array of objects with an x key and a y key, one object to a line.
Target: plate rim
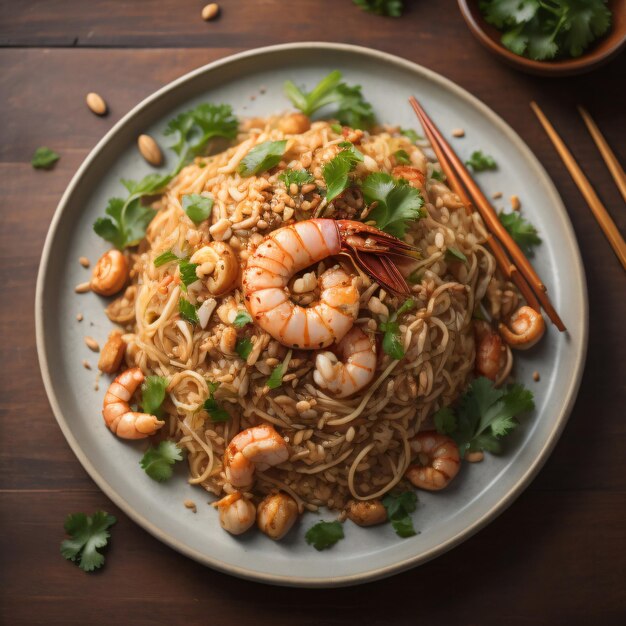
[{"x": 376, "y": 572}]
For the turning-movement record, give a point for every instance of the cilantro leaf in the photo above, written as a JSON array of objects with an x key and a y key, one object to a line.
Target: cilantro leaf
[
  {"x": 212, "y": 407},
  {"x": 193, "y": 129},
  {"x": 88, "y": 533},
  {"x": 164, "y": 258},
  {"x": 44, "y": 158},
  {"x": 241, "y": 319},
  {"x": 157, "y": 462},
  {"x": 197, "y": 207},
  {"x": 336, "y": 171},
  {"x": 399, "y": 507},
  {"x": 392, "y": 341},
  {"x": 398, "y": 202},
  {"x": 262, "y": 157},
  {"x": 410, "y": 134},
  {"x": 187, "y": 272},
  {"x": 243, "y": 347},
  {"x": 324, "y": 535},
  {"x": 352, "y": 110},
  {"x": 586, "y": 20},
  {"x": 484, "y": 415},
  {"x": 454, "y": 254},
  {"x": 390, "y": 8},
  {"x": 438, "y": 175},
  {"x": 297, "y": 177},
  {"x": 153, "y": 394},
  {"x": 480, "y": 162},
  {"x": 276, "y": 377},
  {"x": 188, "y": 311},
  {"x": 522, "y": 231},
  {"x": 402, "y": 157}
]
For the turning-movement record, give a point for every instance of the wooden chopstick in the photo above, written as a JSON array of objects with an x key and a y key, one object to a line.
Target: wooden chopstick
[
  {"x": 508, "y": 269},
  {"x": 488, "y": 213},
  {"x": 605, "y": 150},
  {"x": 595, "y": 204}
]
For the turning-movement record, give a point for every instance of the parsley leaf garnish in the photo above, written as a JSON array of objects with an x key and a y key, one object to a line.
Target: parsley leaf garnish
[
  {"x": 241, "y": 319},
  {"x": 299, "y": 177},
  {"x": 212, "y": 407},
  {"x": 157, "y": 462},
  {"x": 392, "y": 341},
  {"x": 399, "y": 507},
  {"x": 336, "y": 171},
  {"x": 390, "y": 8},
  {"x": 153, "y": 394},
  {"x": 243, "y": 347},
  {"x": 187, "y": 272},
  {"x": 262, "y": 157},
  {"x": 402, "y": 157},
  {"x": 485, "y": 415},
  {"x": 398, "y": 202},
  {"x": 164, "y": 258},
  {"x": 44, "y": 158},
  {"x": 197, "y": 207},
  {"x": 480, "y": 162},
  {"x": 410, "y": 134},
  {"x": 438, "y": 175},
  {"x": 87, "y": 534},
  {"x": 324, "y": 535},
  {"x": 522, "y": 231},
  {"x": 351, "y": 110},
  {"x": 276, "y": 377},
  {"x": 454, "y": 254},
  {"x": 188, "y": 311}
]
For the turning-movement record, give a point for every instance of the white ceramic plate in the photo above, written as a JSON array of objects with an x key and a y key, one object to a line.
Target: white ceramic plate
[{"x": 444, "y": 519}]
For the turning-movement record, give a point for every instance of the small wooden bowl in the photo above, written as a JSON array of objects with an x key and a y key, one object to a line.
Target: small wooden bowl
[{"x": 597, "y": 54}]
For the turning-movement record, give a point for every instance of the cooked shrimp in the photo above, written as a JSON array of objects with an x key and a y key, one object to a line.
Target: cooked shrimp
[
  {"x": 439, "y": 461},
  {"x": 525, "y": 328},
  {"x": 355, "y": 369},
  {"x": 236, "y": 513},
  {"x": 116, "y": 411},
  {"x": 258, "y": 446},
  {"x": 366, "y": 512},
  {"x": 110, "y": 273},
  {"x": 490, "y": 351},
  {"x": 276, "y": 514},
  {"x": 412, "y": 175}
]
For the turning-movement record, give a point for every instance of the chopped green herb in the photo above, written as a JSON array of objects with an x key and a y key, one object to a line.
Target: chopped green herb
[
  {"x": 324, "y": 535},
  {"x": 410, "y": 134},
  {"x": 164, "y": 258},
  {"x": 415, "y": 277},
  {"x": 485, "y": 415},
  {"x": 545, "y": 29},
  {"x": 213, "y": 408},
  {"x": 392, "y": 341},
  {"x": 187, "y": 272},
  {"x": 351, "y": 109},
  {"x": 188, "y": 311},
  {"x": 438, "y": 175},
  {"x": 398, "y": 202},
  {"x": 88, "y": 533},
  {"x": 480, "y": 162},
  {"x": 243, "y": 347},
  {"x": 402, "y": 157},
  {"x": 390, "y": 8},
  {"x": 197, "y": 207},
  {"x": 241, "y": 319},
  {"x": 298, "y": 177},
  {"x": 336, "y": 171},
  {"x": 336, "y": 128},
  {"x": 522, "y": 231},
  {"x": 276, "y": 377},
  {"x": 262, "y": 157},
  {"x": 399, "y": 507},
  {"x": 153, "y": 394},
  {"x": 454, "y": 254},
  {"x": 44, "y": 158},
  {"x": 157, "y": 462}
]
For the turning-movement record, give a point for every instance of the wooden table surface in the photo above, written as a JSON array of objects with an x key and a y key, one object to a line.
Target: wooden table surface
[{"x": 557, "y": 556}]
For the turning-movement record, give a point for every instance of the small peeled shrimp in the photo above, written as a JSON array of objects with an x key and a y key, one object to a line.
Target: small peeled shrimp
[
  {"x": 258, "y": 446},
  {"x": 355, "y": 369},
  {"x": 110, "y": 273},
  {"x": 439, "y": 461},
  {"x": 276, "y": 514},
  {"x": 236, "y": 513},
  {"x": 490, "y": 351},
  {"x": 295, "y": 247},
  {"x": 116, "y": 411},
  {"x": 525, "y": 328}
]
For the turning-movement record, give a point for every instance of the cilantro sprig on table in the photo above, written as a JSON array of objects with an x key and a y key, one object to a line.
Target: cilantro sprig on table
[
  {"x": 88, "y": 533},
  {"x": 392, "y": 341},
  {"x": 390, "y": 8},
  {"x": 157, "y": 462},
  {"x": 522, "y": 231},
  {"x": 546, "y": 29},
  {"x": 44, "y": 158},
  {"x": 127, "y": 218},
  {"x": 351, "y": 109},
  {"x": 484, "y": 416},
  {"x": 397, "y": 202}
]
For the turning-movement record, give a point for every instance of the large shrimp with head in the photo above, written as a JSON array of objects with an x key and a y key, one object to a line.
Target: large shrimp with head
[{"x": 292, "y": 248}]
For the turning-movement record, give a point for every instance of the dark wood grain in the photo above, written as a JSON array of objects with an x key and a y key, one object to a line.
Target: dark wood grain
[{"x": 557, "y": 556}]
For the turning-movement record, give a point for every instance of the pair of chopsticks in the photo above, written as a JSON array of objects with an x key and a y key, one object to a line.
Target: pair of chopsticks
[
  {"x": 517, "y": 268},
  {"x": 582, "y": 182}
]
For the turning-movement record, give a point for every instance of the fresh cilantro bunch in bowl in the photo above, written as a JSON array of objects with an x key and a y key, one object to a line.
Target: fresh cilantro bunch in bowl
[{"x": 549, "y": 37}]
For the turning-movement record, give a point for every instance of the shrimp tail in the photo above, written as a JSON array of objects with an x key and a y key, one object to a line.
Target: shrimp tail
[{"x": 376, "y": 253}]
